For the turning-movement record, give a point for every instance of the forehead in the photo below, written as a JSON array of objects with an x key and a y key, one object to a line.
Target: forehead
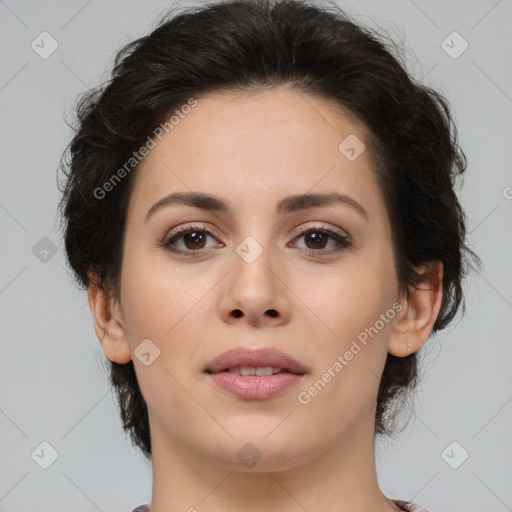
[{"x": 268, "y": 144}]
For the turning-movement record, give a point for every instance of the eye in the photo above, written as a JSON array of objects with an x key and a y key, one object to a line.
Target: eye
[
  {"x": 193, "y": 237},
  {"x": 316, "y": 238}
]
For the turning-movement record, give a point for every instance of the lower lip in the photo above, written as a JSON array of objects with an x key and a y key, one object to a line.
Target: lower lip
[{"x": 254, "y": 387}]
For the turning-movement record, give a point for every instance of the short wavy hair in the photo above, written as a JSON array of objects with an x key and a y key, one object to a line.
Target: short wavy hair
[{"x": 244, "y": 45}]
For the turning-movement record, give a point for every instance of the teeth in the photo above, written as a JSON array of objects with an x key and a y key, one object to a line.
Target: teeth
[
  {"x": 260, "y": 371},
  {"x": 267, "y": 370}
]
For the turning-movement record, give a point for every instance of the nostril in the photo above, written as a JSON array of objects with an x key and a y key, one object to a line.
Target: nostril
[
  {"x": 237, "y": 313},
  {"x": 272, "y": 312}
]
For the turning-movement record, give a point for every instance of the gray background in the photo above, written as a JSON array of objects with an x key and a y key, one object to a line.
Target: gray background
[{"x": 53, "y": 386}]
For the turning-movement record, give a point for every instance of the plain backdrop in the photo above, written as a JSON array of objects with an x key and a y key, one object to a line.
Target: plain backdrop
[{"x": 53, "y": 386}]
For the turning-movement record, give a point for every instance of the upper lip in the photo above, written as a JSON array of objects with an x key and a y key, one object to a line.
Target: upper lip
[{"x": 253, "y": 358}]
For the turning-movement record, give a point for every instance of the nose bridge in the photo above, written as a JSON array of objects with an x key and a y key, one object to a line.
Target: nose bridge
[
  {"x": 253, "y": 260},
  {"x": 254, "y": 252}
]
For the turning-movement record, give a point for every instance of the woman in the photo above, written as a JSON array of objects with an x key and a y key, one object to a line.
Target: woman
[{"x": 260, "y": 204}]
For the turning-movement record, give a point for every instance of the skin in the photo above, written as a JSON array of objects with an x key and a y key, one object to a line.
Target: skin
[{"x": 253, "y": 150}]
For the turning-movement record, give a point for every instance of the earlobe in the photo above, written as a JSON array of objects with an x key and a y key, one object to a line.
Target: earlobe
[
  {"x": 108, "y": 324},
  {"x": 414, "y": 323}
]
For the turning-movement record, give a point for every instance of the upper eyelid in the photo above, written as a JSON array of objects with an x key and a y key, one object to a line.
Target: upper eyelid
[
  {"x": 214, "y": 231},
  {"x": 339, "y": 231}
]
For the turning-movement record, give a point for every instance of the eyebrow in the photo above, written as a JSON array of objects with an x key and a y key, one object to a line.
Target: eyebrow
[{"x": 289, "y": 204}]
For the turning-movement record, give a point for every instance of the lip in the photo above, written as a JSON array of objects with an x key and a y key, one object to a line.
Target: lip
[
  {"x": 255, "y": 387},
  {"x": 254, "y": 358}
]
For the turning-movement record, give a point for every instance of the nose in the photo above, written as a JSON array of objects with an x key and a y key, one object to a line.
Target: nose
[{"x": 255, "y": 292}]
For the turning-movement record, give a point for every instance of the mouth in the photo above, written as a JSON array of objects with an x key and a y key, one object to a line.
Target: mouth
[
  {"x": 255, "y": 374},
  {"x": 255, "y": 362},
  {"x": 259, "y": 371}
]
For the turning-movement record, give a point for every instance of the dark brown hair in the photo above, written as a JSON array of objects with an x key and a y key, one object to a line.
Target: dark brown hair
[{"x": 244, "y": 45}]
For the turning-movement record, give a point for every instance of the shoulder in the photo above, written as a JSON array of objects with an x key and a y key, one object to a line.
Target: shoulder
[{"x": 408, "y": 506}]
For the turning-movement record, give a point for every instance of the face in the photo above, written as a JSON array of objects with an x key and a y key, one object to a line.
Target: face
[{"x": 311, "y": 280}]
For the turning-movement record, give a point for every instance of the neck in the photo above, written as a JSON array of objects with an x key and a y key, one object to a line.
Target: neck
[{"x": 339, "y": 477}]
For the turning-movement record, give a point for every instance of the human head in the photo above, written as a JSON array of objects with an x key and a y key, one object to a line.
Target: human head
[{"x": 411, "y": 142}]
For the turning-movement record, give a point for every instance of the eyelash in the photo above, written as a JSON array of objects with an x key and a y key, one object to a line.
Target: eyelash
[{"x": 343, "y": 241}]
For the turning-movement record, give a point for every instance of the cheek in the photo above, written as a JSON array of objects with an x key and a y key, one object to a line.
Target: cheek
[
  {"x": 166, "y": 309},
  {"x": 156, "y": 293},
  {"x": 347, "y": 300},
  {"x": 152, "y": 302},
  {"x": 349, "y": 306},
  {"x": 167, "y": 304}
]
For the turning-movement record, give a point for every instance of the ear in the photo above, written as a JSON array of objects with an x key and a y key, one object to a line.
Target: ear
[
  {"x": 414, "y": 322},
  {"x": 108, "y": 323}
]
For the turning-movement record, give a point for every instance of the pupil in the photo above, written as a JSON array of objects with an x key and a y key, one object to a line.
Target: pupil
[
  {"x": 316, "y": 238},
  {"x": 192, "y": 236}
]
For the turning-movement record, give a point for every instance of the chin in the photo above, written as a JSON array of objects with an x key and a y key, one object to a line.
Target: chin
[{"x": 255, "y": 451}]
